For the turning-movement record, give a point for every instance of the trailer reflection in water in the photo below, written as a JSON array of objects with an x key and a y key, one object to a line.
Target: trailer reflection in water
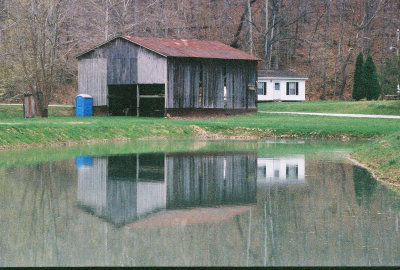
[
  {"x": 125, "y": 188},
  {"x": 283, "y": 170}
]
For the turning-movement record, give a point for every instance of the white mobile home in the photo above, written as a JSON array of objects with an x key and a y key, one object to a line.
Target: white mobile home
[{"x": 280, "y": 85}]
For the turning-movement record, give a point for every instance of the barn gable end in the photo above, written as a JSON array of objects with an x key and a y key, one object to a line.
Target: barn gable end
[{"x": 125, "y": 64}]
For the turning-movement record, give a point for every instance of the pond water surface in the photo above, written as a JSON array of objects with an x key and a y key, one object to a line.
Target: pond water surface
[{"x": 195, "y": 203}]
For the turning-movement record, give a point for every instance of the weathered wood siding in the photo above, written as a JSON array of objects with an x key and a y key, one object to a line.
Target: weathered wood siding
[
  {"x": 194, "y": 83},
  {"x": 191, "y": 83},
  {"x": 122, "y": 188},
  {"x": 252, "y": 76},
  {"x": 92, "y": 185},
  {"x": 114, "y": 189},
  {"x": 105, "y": 196},
  {"x": 151, "y": 67},
  {"x": 121, "y": 57},
  {"x": 210, "y": 179},
  {"x": 92, "y": 79},
  {"x": 115, "y": 63}
]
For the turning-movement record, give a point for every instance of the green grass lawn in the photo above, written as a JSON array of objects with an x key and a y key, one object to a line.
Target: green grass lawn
[
  {"x": 58, "y": 128},
  {"x": 382, "y": 107},
  {"x": 18, "y": 131},
  {"x": 382, "y": 156}
]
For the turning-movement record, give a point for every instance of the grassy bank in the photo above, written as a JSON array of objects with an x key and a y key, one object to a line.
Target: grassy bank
[
  {"x": 58, "y": 129},
  {"x": 383, "y": 107},
  {"x": 382, "y": 156},
  {"x": 16, "y": 132}
]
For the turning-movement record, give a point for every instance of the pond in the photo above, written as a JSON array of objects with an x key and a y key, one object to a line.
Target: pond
[{"x": 195, "y": 203}]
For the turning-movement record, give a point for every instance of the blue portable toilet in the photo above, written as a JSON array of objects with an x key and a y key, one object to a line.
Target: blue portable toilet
[
  {"x": 83, "y": 105},
  {"x": 83, "y": 161}
]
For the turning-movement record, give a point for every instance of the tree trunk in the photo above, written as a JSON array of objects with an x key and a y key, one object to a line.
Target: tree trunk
[
  {"x": 106, "y": 20},
  {"x": 365, "y": 31},
  {"x": 224, "y": 20},
  {"x": 135, "y": 18},
  {"x": 266, "y": 37},
  {"x": 41, "y": 104},
  {"x": 339, "y": 58},
  {"x": 296, "y": 31},
  {"x": 383, "y": 31},
  {"x": 250, "y": 26},
  {"x": 326, "y": 39},
  {"x": 271, "y": 39},
  {"x": 236, "y": 38},
  {"x": 277, "y": 34}
]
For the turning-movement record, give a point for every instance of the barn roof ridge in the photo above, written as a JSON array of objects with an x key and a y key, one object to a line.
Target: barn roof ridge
[{"x": 184, "y": 48}]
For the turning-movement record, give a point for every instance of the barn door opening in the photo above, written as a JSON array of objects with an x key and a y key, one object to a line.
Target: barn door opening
[
  {"x": 152, "y": 100},
  {"x": 122, "y": 100}
]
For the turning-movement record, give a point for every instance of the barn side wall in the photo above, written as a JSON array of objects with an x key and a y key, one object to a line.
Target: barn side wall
[
  {"x": 200, "y": 83},
  {"x": 118, "y": 62}
]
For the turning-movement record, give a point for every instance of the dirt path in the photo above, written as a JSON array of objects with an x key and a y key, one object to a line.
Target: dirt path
[{"x": 339, "y": 114}]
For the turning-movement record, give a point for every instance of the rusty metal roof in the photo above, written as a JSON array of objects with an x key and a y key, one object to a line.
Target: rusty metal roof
[
  {"x": 190, "y": 216},
  {"x": 170, "y": 47},
  {"x": 190, "y": 48}
]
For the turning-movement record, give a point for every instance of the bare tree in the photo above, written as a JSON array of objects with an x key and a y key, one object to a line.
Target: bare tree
[
  {"x": 36, "y": 46},
  {"x": 236, "y": 38}
]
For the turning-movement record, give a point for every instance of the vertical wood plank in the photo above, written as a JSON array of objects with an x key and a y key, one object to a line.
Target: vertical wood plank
[
  {"x": 196, "y": 81},
  {"x": 171, "y": 89},
  {"x": 205, "y": 85},
  {"x": 170, "y": 180},
  {"x": 186, "y": 85},
  {"x": 219, "y": 86},
  {"x": 211, "y": 85},
  {"x": 137, "y": 100}
]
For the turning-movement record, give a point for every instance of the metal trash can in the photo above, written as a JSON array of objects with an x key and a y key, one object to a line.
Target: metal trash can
[{"x": 83, "y": 105}]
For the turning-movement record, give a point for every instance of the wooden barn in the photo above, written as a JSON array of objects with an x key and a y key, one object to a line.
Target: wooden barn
[{"x": 150, "y": 76}]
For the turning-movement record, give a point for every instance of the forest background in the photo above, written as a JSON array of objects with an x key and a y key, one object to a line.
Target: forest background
[{"x": 318, "y": 39}]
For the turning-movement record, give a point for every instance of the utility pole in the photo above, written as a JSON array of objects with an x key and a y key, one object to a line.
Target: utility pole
[
  {"x": 397, "y": 42},
  {"x": 397, "y": 54}
]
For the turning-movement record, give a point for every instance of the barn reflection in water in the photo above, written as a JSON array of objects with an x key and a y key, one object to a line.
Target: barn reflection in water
[{"x": 122, "y": 189}]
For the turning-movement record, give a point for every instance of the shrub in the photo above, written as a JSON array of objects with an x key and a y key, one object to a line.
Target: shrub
[
  {"x": 358, "y": 90},
  {"x": 370, "y": 80}
]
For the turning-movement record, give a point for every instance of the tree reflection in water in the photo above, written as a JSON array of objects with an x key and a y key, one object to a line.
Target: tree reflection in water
[{"x": 336, "y": 216}]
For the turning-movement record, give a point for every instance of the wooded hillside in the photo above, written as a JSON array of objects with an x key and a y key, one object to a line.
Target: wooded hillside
[{"x": 320, "y": 39}]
